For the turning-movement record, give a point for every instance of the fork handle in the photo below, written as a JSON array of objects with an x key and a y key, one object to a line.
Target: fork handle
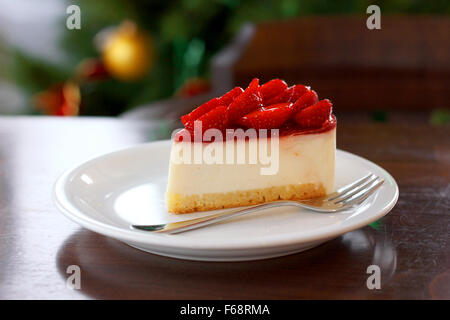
[{"x": 182, "y": 226}]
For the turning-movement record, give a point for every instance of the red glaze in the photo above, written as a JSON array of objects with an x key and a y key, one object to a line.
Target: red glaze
[
  {"x": 270, "y": 117},
  {"x": 224, "y": 100},
  {"x": 293, "y": 110},
  {"x": 288, "y": 129},
  {"x": 295, "y": 129},
  {"x": 314, "y": 116}
]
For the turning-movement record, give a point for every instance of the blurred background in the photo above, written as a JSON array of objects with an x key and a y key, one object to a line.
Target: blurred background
[{"x": 158, "y": 59}]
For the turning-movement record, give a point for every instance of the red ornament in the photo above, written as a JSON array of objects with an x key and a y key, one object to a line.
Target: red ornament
[{"x": 59, "y": 100}]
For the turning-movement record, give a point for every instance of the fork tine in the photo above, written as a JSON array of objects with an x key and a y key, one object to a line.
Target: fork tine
[
  {"x": 356, "y": 190},
  {"x": 352, "y": 187},
  {"x": 348, "y": 187},
  {"x": 363, "y": 195}
]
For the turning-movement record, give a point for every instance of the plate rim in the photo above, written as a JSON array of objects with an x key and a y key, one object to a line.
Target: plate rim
[{"x": 137, "y": 236}]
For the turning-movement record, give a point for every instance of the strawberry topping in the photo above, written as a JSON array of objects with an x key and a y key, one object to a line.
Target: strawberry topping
[
  {"x": 297, "y": 91},
  {"x": 279, "y": 98},
  {"x": 267, "y": 118},
  {"x": 224, "y": 100},
  {"x": 228, "y": 97},
  {"x": 272, "y": 89},
  {"x": 198, "y": 112},
  {"x": 306, "y": 100},
  {"x": 245, "y": 103},
  {"x": 271, "y": 105},
  {"x": 314, "y": 116},
  {"x": 216, "y": 118}
]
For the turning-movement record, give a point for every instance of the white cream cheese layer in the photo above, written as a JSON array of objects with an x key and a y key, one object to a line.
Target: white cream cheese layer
[{"x": 308, "y": 158}]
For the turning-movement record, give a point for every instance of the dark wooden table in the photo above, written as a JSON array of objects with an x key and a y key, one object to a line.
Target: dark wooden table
[{"x": 37, "y": 244}]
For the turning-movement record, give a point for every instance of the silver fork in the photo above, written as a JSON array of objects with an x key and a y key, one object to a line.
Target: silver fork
[{"x": 352, "y": 194}]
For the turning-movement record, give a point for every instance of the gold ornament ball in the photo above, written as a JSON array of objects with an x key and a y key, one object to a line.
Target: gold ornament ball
[{"x": 128, "y": 53}]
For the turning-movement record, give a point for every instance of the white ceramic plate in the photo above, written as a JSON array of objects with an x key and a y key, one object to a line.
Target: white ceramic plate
[{"x": 109, "y": 193}]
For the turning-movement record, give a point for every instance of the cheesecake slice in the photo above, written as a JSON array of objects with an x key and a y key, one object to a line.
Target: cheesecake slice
[{"x": 266, "y": 143}]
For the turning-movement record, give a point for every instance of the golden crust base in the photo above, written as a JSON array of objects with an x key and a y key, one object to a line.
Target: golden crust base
[{"x": 178, "y": 203}]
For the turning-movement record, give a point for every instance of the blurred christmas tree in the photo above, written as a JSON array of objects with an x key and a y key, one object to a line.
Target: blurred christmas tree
[{"x": 132, "y": 52}]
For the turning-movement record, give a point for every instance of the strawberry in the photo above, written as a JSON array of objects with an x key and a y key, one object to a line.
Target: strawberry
[
  {"x": 268, "y": 118},
  {"x": 228, "y": 97},
  {"x": 306, "y": 100},
  {"x": 277, "y": 105},
  {"x": 199, "y": 111},
  {"x": 297, "y": 91},
  {"x": 224, "y": 100},
  {"x": 314, "y": 116},
  {"x": 216, "y": 118},
  {"x": 272, "y": 88},
  {"x": 279, "y": 98},
  {"x": 290, "y": 94},
  {"x": 245, "y": 103}
]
